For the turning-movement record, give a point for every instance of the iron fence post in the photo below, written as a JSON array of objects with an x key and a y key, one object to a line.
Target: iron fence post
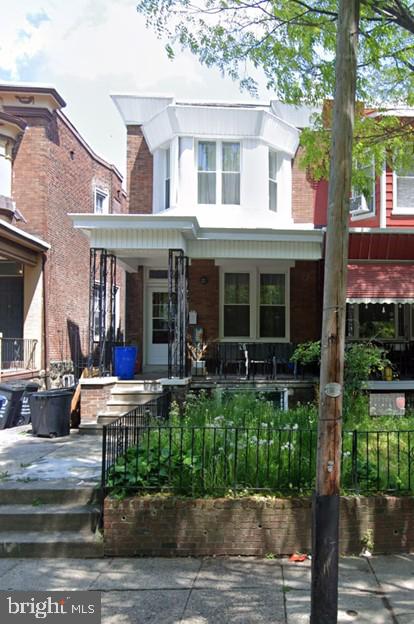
[{"x": 355, "y": 459}]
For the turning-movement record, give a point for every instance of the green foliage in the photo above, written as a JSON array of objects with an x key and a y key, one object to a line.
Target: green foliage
[
  {"x": 307, "y": 353},
  {"x": 362, "y": 360},
  {"x": 292, "y": 42}
]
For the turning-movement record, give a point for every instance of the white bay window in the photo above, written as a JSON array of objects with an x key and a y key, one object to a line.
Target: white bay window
[
  {"x": 404, "y": 189},
  {"x": 218, "y": 166}
]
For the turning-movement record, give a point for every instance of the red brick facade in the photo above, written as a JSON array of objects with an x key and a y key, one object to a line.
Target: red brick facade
[
  {"x": 55, "y": 173},
  {"x": 139, "y": 172},
  {"x": 169, "y": 527},
  {"x": 203, "y": 289},
  {"x": 306, "y": 287}
]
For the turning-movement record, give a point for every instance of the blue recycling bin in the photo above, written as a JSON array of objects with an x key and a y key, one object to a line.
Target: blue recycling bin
[{"x": 124, "y": 362}]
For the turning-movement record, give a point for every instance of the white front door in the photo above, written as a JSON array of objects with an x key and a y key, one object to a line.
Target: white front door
[{"x": 157, "y": 326}]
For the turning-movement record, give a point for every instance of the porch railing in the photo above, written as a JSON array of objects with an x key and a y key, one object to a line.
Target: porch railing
[
  {"x": 17, "y": 353},
  {"x": 208, "y": 460},
  {"x": 248, "y": 359}
]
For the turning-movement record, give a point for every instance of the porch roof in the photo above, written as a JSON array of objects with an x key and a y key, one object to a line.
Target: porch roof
[
  {"x": 380, "y": 283},
  {"x": 139, "y": 235},
  {"x": 18, "y": 245}
]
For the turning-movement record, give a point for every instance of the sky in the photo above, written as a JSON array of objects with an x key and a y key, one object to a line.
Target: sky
[{"x": 88, "y": 49}]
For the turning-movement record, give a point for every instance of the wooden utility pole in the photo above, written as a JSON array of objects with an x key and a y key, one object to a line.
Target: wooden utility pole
[{"x": 324, "y": 596}]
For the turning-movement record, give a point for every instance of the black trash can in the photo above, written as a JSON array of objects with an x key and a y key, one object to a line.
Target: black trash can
[
  {"x": 51, "y": 412},
  {"x": 14, "y": 403}
]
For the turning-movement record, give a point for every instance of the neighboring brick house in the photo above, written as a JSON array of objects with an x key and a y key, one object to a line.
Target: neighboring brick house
[{"x": 50, "y": 171}]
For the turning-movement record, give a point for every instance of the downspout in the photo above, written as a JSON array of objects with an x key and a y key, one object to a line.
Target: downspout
[{"x": 45, "y": 321}]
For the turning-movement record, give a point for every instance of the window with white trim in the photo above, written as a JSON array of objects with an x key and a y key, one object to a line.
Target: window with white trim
[
  {"x": 218, "y": 168},
  {"x": 101, "y": 203},
  {"x": 272, "y": 303},
  {"x": 255, "y": 305},
  {"x": 272, "y": 180},
  {"x": 362, "y": 200},
  {"x": 404, "y": 188},
  {"x": 236, "y": 316}
]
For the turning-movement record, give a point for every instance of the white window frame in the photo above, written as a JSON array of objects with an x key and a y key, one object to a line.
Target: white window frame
[
  {"x": 167, "y": 178},
  {"x": 105, "y": 204},
  {"x": 255, "y": 273},
  {"x": 399, "y": 210},
  {"x": 219, "y": 169},
  {"x": 273, "y": 180},
  {"x": 363, "y": 211}
]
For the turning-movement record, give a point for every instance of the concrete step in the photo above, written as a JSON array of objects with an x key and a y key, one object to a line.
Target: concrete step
[
  {"x": 93, "y": 428},
  {"x": 136, "y": 385},
  {"x": 12, "y": 493},
  {"x": 138, "y": 398},
  {"x": 32, "y": 544},
  {"x": 38, "y": 517}
]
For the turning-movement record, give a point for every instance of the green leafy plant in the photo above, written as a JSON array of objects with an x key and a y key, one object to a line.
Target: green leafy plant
[{"x": 307, "y": 353}]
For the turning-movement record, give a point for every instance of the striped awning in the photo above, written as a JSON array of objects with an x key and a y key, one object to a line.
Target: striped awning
[{"x": 380, "y": 283}]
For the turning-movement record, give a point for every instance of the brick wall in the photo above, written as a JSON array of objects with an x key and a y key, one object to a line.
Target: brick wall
[
  {"x": 306, "y": 287},
  {"x": 168, "y": 526},
  {"x": 139, "y": 172},
  {"x": 304, "y": 193},
  {"x": 93, "y": 399},
  {"x": 55, "y": 174},
  {"x": 134, "y": 312},
  {"x": 204, "y": 298}
]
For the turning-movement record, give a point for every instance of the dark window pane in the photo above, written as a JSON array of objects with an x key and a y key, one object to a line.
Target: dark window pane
[
  {"x": 236, "y": 288},
  {"x": 236, "y": 321},
  {"x": 272, "y": 322},
  {"x": 272, "y": 289},
  {"x": 377, "y": 320},
  {"x": 158, "y": 274},
  {"x": 160, "y": 337}
]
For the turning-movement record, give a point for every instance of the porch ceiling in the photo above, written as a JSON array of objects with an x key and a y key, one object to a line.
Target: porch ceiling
[{"x": 143, "y": 235}]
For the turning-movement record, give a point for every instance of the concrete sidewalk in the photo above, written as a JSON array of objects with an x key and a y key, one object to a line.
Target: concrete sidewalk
[
  {"x": 24, "y": 458},
  {"x": 217, "y": 591}
]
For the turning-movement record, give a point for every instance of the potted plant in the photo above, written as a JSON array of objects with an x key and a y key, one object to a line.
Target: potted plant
[{"x": 197, "y": 352}]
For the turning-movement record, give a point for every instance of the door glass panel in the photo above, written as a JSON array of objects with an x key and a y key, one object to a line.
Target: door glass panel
[{"x": 160, "y": 318}]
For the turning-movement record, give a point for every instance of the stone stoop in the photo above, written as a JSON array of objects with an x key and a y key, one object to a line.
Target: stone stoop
[
  {"x": 45, "y": 522},
  {"x": 125, "y": 396}
]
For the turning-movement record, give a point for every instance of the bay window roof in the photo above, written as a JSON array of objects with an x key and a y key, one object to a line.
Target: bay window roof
[{"x": 162, "y": 119}]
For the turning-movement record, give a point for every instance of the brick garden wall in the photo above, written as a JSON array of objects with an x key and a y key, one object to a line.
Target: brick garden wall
[
  {"x": 166, "y": 526},
  {"x": 93, "y": 400}
]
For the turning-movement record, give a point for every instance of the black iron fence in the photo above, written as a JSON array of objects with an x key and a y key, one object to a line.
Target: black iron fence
[
  {"x": 17, "y": 353},
  {"x": 194, "y": 460},
  {"x": 247, "y": 359},
  {"x": 124, "y": 432}
]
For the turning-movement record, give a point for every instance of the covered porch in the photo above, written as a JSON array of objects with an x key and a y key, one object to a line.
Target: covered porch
[
  {"x": 208, "y": 303},
  {"x": 21, "y": 299}
]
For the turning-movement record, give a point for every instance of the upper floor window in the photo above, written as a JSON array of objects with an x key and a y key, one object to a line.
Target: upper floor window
[
  {"x": 167, "y": 178},
  {"x": 404, "y": 192},
  {"x": 5, "y": 168},
  {"x": 272, "y": 180},
  {"x": 363, "y": 199},
  {"x": 101, "y": 202},
  {"x": 218, "y": 172}
]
